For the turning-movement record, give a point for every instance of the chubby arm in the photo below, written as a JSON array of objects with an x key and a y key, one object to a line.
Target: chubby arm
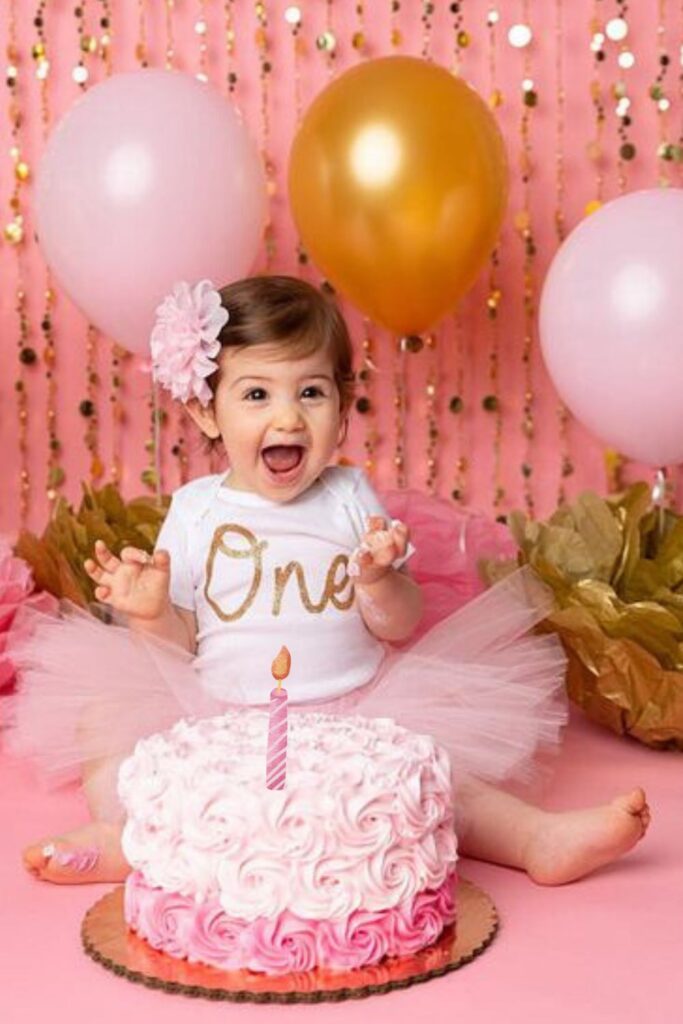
[{"x": 390, "y": 602}]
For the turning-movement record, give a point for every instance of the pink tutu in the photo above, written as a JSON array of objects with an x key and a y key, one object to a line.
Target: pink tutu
[{"x": 478, "y": 680}]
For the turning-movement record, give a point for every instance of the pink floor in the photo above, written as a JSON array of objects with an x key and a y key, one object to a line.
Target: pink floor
[{"x": 608, "y": 949}]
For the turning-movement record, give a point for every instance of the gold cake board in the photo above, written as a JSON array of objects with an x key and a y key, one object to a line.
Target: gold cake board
[{"x": 107, "y": 939}]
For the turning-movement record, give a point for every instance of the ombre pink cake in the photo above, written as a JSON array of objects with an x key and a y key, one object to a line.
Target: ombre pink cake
[{"x": 352, "y": 862}]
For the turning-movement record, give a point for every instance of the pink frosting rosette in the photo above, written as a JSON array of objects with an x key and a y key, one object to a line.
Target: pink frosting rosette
[
  {"x": 162, "y": 919},
  {"x": 422, "y": 923},
  {"x": 286, "y": 943},
  {"x": 218, "y": 938},
  {"x": 364, "y": 938}
]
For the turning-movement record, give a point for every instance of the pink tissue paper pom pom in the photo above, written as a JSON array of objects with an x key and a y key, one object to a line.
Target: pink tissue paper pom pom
[{"x": 16, "y": 591}]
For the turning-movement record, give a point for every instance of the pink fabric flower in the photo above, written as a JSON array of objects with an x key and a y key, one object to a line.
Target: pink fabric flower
[
  {"x": 184, "y": 340},
  {"x": 16, "y": 591}
]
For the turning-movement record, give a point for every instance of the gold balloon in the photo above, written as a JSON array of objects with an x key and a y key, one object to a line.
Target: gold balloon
[{"x": 397, "y": 181}]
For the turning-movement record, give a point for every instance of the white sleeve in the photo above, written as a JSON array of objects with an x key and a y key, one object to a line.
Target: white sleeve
[
  {"x": 367, "y": 503},
  {"x": 173, "y": 538}
]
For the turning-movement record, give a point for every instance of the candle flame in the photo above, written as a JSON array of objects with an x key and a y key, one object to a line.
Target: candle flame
[{"x": 281, "y": 666}]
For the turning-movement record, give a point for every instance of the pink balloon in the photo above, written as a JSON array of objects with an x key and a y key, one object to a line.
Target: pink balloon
[
  {"x": 611, "y": 323},
  {"x": 150, "y": 178}
]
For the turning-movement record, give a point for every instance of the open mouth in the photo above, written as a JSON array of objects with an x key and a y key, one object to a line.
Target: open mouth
[{"x": 282, "y": 460}]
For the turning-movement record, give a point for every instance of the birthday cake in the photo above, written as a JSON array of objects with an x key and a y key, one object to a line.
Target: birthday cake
[{"x": 351, "y": 862}]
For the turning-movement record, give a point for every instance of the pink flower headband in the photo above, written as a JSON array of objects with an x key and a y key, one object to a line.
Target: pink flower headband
[{"x": 184, "y": 341}]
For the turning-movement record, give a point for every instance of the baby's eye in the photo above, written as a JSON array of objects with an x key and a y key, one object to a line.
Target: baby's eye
[
  {"x": 312, "y": 391},
  {"x": 255, "y": 394}
]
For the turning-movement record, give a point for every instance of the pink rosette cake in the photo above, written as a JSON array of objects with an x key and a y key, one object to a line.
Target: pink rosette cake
[{"x": 352, "y": 862}]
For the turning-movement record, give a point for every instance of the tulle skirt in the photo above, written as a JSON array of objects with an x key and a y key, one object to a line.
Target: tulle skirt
[{"x": 476, "y": 678}]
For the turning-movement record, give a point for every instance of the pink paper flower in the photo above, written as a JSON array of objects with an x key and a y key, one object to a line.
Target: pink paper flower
[
  {"x": 16, "y": 591},
  {"x": 184, "y": 340}
]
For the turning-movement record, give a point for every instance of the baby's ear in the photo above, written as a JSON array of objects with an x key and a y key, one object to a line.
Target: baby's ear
[
  {"x": 343, "y": 430},
  {"x": 204, "y": 416}
]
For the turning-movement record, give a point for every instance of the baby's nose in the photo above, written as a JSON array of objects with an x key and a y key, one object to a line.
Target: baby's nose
[{"x": 287, "y": 416}]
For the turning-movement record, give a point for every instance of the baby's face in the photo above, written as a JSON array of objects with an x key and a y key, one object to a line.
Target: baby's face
[{"x": 278, "y": 418}]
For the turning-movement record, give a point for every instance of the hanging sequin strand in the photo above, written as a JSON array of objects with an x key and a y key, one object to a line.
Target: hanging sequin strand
[
  {"x": 55, "y": 471},
  {"x": 566, "y": 463},
  {"x": 491, "y": 402},
  {"x": 520, "y": 37},
  {"x": 617, "y": 31},
  {"x": 456, "y": 409},
  {"x": 265, "y": 71},
  {"x": 14, "y": 236}
]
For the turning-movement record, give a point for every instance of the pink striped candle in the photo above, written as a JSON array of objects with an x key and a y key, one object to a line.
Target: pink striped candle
[{"x": 276, "y": 757}]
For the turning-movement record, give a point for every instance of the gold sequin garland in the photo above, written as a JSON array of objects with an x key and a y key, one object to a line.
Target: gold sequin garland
[
  {"x": 461, "y": 37},
  {"x": 180, "y": 448},
  {"x": 668, "y": 152},
  {"x": 616, "y": 31},
  {"x": 400, "y": 411},
  {"x": 395, "y": 34},
  {"x": 520, "y": 36},
  {"x": 88, "y": 407},
  {"x": 491, "y": 402},
  {"x": 229, "y": 36},
  {"x": 432, "y": 408},
  {"x": 261, "y": 38},
  {"x": 14, "y": 236},
  {"x": 566, "y": 464},
  {"x": 55, "y": 471},
  {"x": 426, "y": 19},
  {"x": 595, "y": 146},
  {"x": 359, "y": 39},
  {"x": 141, "y": 54},
  {"x": 365, "y": 400},
  {"x": 89, "y": 45},
  {"x": 151, "y": 474},
  {"x": 326, "y": 41},
  {"x": 294, "y": 19},
  {"x": 170, "y": 54},
  {"x": 201, "y": 29},
  {"x": 456, "y": 408}
]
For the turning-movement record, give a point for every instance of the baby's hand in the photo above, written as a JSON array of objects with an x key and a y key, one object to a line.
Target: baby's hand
[
  {"x": 135, "y": 584},
  {"x": 379, "y": 548}
]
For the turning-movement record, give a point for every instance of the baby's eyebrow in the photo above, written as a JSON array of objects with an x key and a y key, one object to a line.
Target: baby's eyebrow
[
  {"x": 253, "y": 378},
  {"x": 241, "y": 380}
]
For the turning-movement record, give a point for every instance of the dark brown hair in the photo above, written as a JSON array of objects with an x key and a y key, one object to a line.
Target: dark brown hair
[{"x": 280, "y": 310}]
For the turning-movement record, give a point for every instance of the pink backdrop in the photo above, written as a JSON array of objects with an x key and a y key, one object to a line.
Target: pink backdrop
[{"x": 479, "y": 453}]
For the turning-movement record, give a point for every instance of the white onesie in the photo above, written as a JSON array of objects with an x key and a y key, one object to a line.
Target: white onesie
[{"x": 259, "y": 574}]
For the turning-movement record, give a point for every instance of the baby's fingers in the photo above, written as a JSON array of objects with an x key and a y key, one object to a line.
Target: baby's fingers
[
  {"x": 93, "y": 570},
  {"x": 384, "y": 555},
  {"x": 399, "y": 533},
  {"x": 107, "y": 560},
  {"x": 161, "y": 560},
  {"x": 135, "y": 556}
]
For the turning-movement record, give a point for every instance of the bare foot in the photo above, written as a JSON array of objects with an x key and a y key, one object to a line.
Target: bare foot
[
  {"x": 88, "y": 854},
  {"x": 571, "y": 844}
]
